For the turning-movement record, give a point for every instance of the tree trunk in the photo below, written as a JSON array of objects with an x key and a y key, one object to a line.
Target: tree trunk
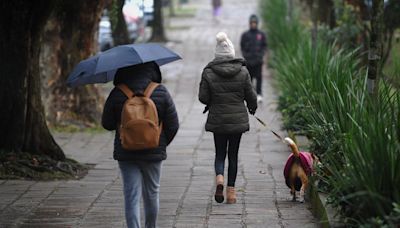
[
  {"x": 71, "y": 36},
  {"x": 118, "y": 24},
  {"x": 313, "y": 5},
  {"x": 158, "y": 34},
  {"x": 375, "y": 46},
  {"x": 326, "y": 13},
  {"x": 22, "y": 122},
  {"x": 290, "y": 9}
]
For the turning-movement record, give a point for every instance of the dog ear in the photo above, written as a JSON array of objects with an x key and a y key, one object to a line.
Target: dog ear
[{"x": 315, "y": 158}]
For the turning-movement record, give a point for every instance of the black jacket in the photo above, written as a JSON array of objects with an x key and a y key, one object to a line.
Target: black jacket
[
  {"x": 138, "y": 80},
  {"x": 253, "y": 44},
  {"x": 224, "y": 86}
]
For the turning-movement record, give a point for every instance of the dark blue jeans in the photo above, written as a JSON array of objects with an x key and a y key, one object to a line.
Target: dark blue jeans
[{"x": 227, "y": 144}]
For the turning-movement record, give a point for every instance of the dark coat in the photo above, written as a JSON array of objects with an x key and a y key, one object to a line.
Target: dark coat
[
  {"x": 216, "y": 3},
  {"x": 224, "y": 86},
  {"x": 253, "y": 44},
  {"x": 137, "y": 79}
]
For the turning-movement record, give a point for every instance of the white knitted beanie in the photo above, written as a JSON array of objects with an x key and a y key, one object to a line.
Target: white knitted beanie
[{"x": 224, "y": 46}]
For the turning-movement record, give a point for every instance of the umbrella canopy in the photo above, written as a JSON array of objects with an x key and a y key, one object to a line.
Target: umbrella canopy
[{"x": 102, "y": 67}]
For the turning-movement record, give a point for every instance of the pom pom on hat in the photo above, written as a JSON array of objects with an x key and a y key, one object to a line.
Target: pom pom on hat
[
  {"x": 224, "y": 46},
  {"x": 221, "y": 36}
]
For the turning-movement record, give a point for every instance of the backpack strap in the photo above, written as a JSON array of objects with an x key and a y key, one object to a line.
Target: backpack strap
[
  {"x": 147, "y": 93},
  {"x": 125, "y": 89},
  {"x": 150, "y": 89}
]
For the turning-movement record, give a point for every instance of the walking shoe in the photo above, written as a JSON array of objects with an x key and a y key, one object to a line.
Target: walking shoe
[
  {"x": 259, "y": 98},
  {"x": 219, "y": 191},
  {"x": 230, "y": 195}
]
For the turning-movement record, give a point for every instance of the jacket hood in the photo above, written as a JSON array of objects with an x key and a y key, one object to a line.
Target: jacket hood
[
  {"x": 226, "y": 67},
  {"x": 131, "y": 74}
]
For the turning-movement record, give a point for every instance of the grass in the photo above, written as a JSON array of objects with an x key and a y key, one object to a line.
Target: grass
[
  {"x": 183, "y": 11},
  {"x": 392, "y": 67},
  {"x": 177, "y": 28},
  {"x": 75, "y": 129},
  {"x": 324, "y": 96}
]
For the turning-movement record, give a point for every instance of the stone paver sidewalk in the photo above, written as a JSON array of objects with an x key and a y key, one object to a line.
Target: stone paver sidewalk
[{"x": 187, "y": 184}]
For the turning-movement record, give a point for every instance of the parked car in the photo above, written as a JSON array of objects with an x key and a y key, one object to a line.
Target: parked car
[
  {"x": 146, "y": 7},
  {"x": 134, "y": 20},
  {"x": 134, "y": 23},
  {"x": 105, "y": 39}
]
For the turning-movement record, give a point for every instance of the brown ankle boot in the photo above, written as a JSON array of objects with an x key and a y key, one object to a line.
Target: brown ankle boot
[
  {"x": 230, "y": 195},
  {"x": 219, "y": 191}
]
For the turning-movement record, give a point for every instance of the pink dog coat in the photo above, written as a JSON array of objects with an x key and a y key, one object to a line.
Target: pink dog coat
[{"x": 306, "y": 162}]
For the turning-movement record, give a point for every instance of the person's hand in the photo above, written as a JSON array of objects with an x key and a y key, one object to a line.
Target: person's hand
[{"x": 252, "y": 111}]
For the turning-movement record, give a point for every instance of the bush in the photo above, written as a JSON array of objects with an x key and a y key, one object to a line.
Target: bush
[{"x": 324, "y": 95}]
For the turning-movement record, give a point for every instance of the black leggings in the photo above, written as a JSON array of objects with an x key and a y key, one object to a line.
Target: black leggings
[{"x": 227, "y": 144}]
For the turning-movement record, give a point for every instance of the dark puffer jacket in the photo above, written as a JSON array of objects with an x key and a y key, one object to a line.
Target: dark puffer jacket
[
  {"x": 254, "y": 45},
  {"x": 224, "y": 86},
  {"x": 137, "y": 79}
]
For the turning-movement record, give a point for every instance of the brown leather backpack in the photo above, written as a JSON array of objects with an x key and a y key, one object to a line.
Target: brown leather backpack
[{"x": 140, "y": 127}]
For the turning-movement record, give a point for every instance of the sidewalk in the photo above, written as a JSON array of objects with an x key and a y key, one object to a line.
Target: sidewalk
[{"x": 187, "y": 186}]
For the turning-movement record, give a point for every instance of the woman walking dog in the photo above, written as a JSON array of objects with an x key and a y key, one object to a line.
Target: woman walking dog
[{"x": 224, "y": 88}]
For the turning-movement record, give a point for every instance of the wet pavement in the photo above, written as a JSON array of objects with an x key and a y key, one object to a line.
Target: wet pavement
[{"x": 187, "y": 185}]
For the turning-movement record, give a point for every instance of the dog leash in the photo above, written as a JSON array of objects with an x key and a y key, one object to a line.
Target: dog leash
[
  {"x": 258, "y": 119},
  {"x": 265, "y": 125}
]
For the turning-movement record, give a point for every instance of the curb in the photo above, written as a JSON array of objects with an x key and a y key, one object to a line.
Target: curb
[
  {"x": 318, "y": 208},
  {"x": 322, "y": 210}
]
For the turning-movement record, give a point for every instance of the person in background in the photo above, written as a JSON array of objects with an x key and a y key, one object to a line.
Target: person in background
[
  {"x": 224, "y": 88},
  {"x": 253, "y": 44},
  {"x": 141, "y": 169},
  {"x": 216, "y": 4}
]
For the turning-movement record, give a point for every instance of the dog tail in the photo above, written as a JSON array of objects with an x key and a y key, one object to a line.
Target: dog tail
[{"x": 293, "y": 146}]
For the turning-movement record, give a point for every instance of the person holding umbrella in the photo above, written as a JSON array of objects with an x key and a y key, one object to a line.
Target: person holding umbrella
[
  {"x": 135, "y": 72},
  {"x": 224, "y": 88}
]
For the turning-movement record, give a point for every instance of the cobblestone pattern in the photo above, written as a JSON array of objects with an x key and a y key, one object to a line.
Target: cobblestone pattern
[{"x": 187, "y": 184}]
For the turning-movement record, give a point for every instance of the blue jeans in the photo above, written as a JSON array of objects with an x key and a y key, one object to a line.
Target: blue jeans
[
  {"x": 227, "y": 144},
  {"x": 141, "y": 178}
]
